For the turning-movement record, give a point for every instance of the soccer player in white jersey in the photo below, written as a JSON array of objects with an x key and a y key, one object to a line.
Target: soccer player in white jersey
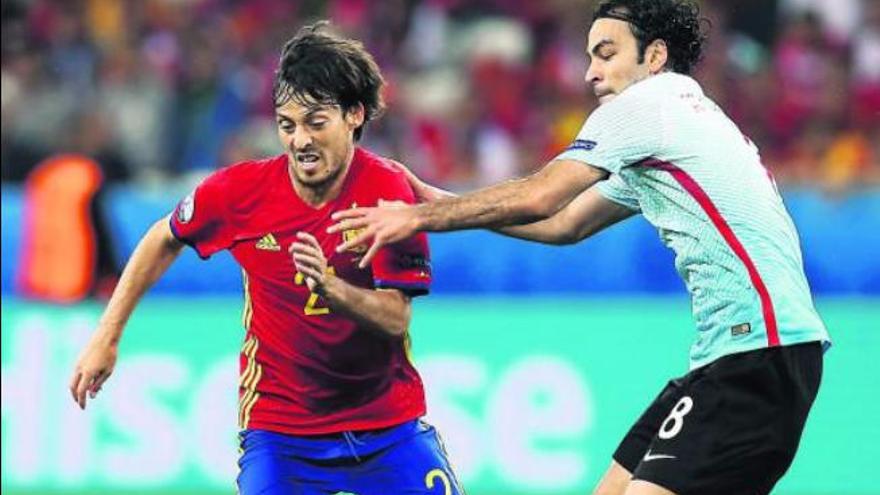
[{"x": 658, "y": 146}]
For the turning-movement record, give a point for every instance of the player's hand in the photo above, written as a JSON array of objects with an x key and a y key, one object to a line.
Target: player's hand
[
  {"x": 384, "y": 225},
  {"x": 309, "y": 259},
  {"x": 93, "y": 368}
]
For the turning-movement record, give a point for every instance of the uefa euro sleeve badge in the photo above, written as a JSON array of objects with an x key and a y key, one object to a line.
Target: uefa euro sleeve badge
[{"x": 186, "y": 207}]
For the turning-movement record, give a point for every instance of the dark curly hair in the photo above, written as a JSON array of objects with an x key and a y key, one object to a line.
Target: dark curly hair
[
  {"x": 317, "y": 66},
  {"x": 677, "y": 22}
]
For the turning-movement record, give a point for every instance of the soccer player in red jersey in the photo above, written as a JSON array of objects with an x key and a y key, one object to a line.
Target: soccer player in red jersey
[{"x": 329, "y": 401}]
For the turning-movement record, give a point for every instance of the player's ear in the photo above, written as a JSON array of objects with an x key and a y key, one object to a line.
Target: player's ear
[
  {"x": 354, "y": 116},
  {"x": 657, "y": 54}
]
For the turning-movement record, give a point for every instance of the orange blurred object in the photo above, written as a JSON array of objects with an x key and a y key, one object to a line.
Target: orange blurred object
[{"x": 59, "y": 250}]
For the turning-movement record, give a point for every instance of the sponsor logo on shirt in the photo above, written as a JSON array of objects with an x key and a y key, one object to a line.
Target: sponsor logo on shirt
[
  {"x": 268, "y": 243},
  {"x": 186, "y": 208},
  {"x": 582, "y": 144}
]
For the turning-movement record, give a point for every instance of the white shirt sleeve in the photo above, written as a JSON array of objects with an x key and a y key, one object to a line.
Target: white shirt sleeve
[
  {"x": 616, "y": 190},
  {"x": 619, "y": 133}
]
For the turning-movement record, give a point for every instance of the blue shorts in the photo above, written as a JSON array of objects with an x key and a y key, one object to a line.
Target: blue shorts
[{"x": 405, "y": 459}]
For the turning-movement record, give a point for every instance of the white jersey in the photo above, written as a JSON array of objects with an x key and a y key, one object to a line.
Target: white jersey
[{"x": 677, "y": 158}]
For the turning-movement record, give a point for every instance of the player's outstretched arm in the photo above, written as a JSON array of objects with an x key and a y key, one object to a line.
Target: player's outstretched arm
[
  {"x": 388, "y": 311},
  {"x": 152, "y": 257},
  {"x": 533, "y": 198},
  {"x": 586, "y": 215}
]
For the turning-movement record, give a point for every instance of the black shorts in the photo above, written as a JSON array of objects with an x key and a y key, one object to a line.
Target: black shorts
[{"x": 730, "y": 427}]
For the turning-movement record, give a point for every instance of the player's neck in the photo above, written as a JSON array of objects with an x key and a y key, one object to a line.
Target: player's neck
[{"x": 318, "y": 195}]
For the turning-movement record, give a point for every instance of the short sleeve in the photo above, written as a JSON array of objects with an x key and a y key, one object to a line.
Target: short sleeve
[
  {"x": 405, "y": 265},
  {"x": 619, "y": 133},
  {"x": 616, "y": 190},
  {"x": 201, "y": 219}
]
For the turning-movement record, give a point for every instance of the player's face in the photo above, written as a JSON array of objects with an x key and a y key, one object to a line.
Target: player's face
[
  {"x": 613, "y": 55},
  {"x": 318, "y": 139}
]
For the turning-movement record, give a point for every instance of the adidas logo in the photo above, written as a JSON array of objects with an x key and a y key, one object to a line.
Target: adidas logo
[{"x": 268, "y": 243}]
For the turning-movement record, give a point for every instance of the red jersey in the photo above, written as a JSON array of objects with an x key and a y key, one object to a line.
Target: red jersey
[{"x": 304, "y": 368}]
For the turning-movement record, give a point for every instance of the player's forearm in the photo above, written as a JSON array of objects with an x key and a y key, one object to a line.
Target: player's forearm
[
  {"x": 586, "y": 215},
  {"x": 560, "y": 230},
  {"x": 545, "y": 231},
  {"x": 386, "y": 311},
  {"x": 508, "y": 203},
  {"x": 515, "y": 202},
  {"x": 151, "y": 258},
  {"x": 548, "y": 231}
]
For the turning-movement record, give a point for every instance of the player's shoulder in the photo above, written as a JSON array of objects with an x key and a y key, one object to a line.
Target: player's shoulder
[
  {"x": 645, "y": 101},
  {"x": 253, "y": 169},
  {"x": 377, "y": 165},
  {"x": 381, "y": 172},
  {"x": 664, "y": 85},
  {"x": 653, "y": 92},
  {"x": 246, "y": 175}
]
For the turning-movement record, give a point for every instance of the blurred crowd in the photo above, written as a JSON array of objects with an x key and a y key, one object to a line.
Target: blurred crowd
[{"x": 478, "y": 90}]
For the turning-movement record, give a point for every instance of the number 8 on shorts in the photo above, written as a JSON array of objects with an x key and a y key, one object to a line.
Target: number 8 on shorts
[{"x": 673, "y": 423}]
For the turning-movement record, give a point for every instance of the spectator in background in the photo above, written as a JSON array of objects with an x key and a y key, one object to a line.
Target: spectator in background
[
  {"x": 839, "y": 18},
  {"x": 866, "y": 71},
  {"x": 802, "y": 62},
  {"x": 135, "y": 103}
]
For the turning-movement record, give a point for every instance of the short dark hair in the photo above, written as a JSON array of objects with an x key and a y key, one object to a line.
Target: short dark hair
[
  {"x": 317, "y": 66},
  {"x": 677, "y": 22}
]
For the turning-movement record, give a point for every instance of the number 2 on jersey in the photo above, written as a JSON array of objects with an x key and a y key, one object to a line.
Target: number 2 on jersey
[{"x": 311, "y": 308}]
